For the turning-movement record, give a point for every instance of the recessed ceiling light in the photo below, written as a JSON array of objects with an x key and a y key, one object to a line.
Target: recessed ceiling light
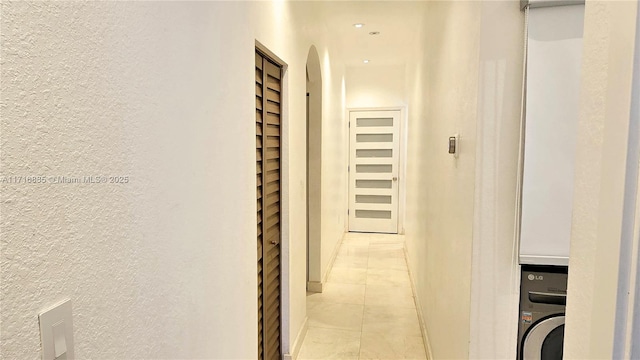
[
  {"x": 374, "y": 33},
  {"x": 366, "y": 61},
  {"x": 358, "y": 25}
]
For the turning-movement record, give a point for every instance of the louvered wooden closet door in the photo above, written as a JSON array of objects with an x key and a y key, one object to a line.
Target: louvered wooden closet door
[{"x": 268, "y": 87}]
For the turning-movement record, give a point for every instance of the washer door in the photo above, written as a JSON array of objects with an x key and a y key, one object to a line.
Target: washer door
[{"x": 544, "y": 340}]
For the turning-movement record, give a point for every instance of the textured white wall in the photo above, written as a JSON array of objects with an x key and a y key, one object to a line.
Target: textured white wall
[
  {"x": 443, "y": 85},
  {"x": 599, "y": 179},
  {"x": 372, "y": 86},
  {"x": 495, "y": 271},
  {"x": 163, "y": 266}
]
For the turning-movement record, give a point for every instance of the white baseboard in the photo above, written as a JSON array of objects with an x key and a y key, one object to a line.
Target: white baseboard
[
  {"x": 334, "y": 255},
  {"x": 297, "y": 345},
  {"x": 317, "y": 286},
  {"x": 314, "y": 286},
  {"x": 423, "y": 327}
]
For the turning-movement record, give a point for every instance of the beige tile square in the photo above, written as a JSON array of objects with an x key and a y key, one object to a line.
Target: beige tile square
[
  {"x": 354, "y": 262},
  {"x": 387, "y": 252},
  {"x": 340, "y": 294},
  {"x": 391, "y": 320},
  {"x": 386, "y": 238},
  {"x": 385, "y": 295},
  {"x": 322, "y": 343},
  {"x": 354, "y": 251},
  {"x": 388, "y": 277},
  {"x": 391, "y": 263},
  {"x": 387, "y": 247},
  {"x": 348, "y": 276},
  {"x": 349, "y": 236},
  {"x": 361, "y": 240},
  {"x": 335, "y": 316},
  {"x": 381, "y": 345}
]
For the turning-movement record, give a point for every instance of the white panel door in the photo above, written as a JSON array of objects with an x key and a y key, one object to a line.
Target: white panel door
[
  {"x": 373, "y": 171},
  {"x": 554, "y": 53}
]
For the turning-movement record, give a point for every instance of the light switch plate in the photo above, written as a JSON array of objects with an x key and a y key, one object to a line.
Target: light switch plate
[
  {"x": 454, "y": 145},
  {"x": 56, "y": 332}
]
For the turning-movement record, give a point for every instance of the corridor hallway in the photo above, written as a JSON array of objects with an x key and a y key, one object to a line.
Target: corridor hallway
[{"x": 367, "y": 308}]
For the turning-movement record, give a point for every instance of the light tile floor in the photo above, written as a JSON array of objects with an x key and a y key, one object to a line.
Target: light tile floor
[{"x": 366, "y": 310}]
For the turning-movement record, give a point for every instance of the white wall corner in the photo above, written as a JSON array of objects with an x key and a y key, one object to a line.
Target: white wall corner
[{"x": 297, "y": 344}]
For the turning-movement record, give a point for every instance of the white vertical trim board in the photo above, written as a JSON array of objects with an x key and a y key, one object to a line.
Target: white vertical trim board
[{"x": 627, "y": 327}]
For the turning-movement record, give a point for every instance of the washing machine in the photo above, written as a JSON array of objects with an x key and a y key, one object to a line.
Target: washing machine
[{"x": 543, "y": 297}]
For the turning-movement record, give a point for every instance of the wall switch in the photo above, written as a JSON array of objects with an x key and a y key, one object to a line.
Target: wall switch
[
  {"x": 453, "y": 145},
  {"x": 56, "y": 332}
]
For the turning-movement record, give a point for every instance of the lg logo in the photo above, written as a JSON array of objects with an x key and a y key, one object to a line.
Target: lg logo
[{"x": 534, "y": 277}]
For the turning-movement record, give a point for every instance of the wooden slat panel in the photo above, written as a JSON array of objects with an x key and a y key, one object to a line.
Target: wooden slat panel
[
  {"x": 272, "y": 176},
  {"x": 272, "y": 187},
  {"x": 274, "y": 251},
  {"x": 273, "y": 119},
  {"x": 272, "y": 70},
  {"x": 274, "y": 353},
  {"x": 273, "y": 96},
  {"x": 273, "y": 153},
  {"x": 274, "y": 209},
  {"x": 273, "y": 350},
  {"x": 273, "y": 130},
  {"x": 258, "y": 61},
  {"x": 273, "y": 108},
  {"x": 272, "y": 142},
  {"x": 273, "y": 84},
  {"x": 272, "y": 199},
  {"x": 273, "y": 164},
  {"x": 270, "y": 302},
  {"x": 273, "y": 220},
  {"x": 268, "y": 108},
  {"x": 273, "y": 233},
  {"x": 272, "y": 322},
  {"x": 259, "y": 201}
]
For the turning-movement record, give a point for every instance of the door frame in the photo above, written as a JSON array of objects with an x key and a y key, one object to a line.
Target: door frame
[
  {"x": 402, "y": 167},
  {"x": 285, "y": 242}
]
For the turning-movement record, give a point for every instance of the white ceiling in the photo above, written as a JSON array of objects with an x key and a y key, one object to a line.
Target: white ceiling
[{"x": 397, "y": 21}]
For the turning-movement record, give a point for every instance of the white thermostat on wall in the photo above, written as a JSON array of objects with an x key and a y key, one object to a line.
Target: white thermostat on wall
[{"x": 453, "y": 145}]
